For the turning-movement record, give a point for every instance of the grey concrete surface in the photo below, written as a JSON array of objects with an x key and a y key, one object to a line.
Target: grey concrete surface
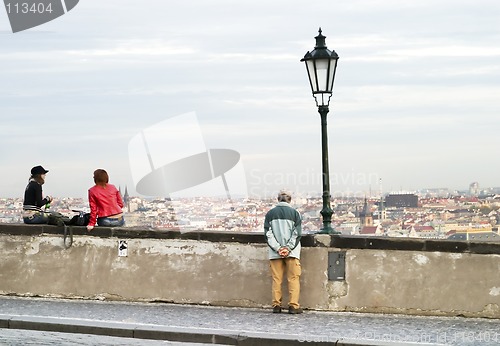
[
  {"x": 377, "y": 275},
  {"x": 100, "y": 320}
]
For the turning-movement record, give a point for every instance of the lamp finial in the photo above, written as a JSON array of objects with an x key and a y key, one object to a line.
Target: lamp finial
[{"x": 320, "y": 40}]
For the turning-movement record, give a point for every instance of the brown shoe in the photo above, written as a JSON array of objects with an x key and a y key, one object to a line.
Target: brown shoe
[
  {"x": 292, "y": 310},
  {"x": 276, "y": 309}
]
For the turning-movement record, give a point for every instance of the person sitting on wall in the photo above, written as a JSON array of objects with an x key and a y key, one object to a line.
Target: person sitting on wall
[
  {"x": 33, "y": 198},
  {"x": 105, "y": 202}
]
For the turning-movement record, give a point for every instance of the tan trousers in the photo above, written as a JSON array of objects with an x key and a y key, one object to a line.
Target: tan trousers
[{"x": 293, "y": 270}]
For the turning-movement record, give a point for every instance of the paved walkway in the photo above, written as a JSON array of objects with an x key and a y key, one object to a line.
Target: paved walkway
[{"x": 230, "y": 326}]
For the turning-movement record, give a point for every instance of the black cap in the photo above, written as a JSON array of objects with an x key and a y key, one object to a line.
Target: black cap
[{"x": 38, "y": 170}]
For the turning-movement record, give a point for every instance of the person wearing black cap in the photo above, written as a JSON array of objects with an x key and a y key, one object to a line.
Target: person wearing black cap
[{"x": 33, "y": 198}]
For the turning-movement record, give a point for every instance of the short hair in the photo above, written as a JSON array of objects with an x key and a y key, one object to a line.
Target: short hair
[
  {"x": 101, "y": 177},
  {"x": 284, "y": 196}
]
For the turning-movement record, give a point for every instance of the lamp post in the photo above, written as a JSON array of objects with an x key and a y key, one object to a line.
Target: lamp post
[{"x": 321, "y": 65}]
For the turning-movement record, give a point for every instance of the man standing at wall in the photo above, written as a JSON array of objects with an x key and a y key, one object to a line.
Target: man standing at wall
[{"x": 282, "y": 227}]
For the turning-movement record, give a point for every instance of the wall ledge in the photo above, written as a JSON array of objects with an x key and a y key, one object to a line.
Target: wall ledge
[{"x": 308, "y": 240}]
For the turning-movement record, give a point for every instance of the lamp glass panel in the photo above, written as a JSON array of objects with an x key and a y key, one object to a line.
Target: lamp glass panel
[
  {"x": 311, "y": 71},
  {"x": 322, "y": 74},
  {"x": 331, "y": 74}
]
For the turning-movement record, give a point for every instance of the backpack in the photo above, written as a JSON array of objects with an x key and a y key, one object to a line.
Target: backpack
[
  {"x": 82, "y": 219},
  {"x": 57, "y": 219}
]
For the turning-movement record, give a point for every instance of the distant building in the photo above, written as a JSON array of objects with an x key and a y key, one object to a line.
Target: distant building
[
  {"x": 474, "y": 189},
  {"x": 418, "y": 231},
  {"x": 409, "y": 200},
  {"x": 476, "y": 236},
  {"x": 365, "y": 215},
  {"x": 371, "y": 231},
  {"x": 382, "y": 213},
  {"x": 366, "y": 226},
  {"x": 436, "y": 192},
  {"x": 348, "y": 228},
  {"x": 126, "y": 199}
]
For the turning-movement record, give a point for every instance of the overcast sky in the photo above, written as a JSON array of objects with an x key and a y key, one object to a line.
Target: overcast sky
[{"x": 416, "y": 99}]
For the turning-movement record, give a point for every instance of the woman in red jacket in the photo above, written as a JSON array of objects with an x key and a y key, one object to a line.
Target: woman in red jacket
[{"x": 105, "y": 202}]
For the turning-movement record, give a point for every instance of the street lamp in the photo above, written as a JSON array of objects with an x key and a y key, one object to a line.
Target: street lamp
[{"x": 321, "y": 65}]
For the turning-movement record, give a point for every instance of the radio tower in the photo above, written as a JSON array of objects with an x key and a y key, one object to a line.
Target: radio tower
[{"x": 380, "y": 187}]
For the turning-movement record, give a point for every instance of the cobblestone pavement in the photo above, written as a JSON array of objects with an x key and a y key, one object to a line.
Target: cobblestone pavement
[
  {"x": 310, "y": 326},
  {"x": 17, "y": 337}
]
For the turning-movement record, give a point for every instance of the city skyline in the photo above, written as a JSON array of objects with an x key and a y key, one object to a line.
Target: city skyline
[
  {"x": 371, "y": 193},
  {"x": 428, "y": 215},
  {"x": 415, "y": 102}
]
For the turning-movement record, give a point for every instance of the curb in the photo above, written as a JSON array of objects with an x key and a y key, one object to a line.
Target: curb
[{"x": 178, "y": 334}]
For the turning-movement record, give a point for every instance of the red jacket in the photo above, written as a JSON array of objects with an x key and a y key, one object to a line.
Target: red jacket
[{"x": 104, "y": 201}]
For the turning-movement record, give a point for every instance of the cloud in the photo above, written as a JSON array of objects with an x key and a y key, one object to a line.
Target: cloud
[{"x": 422, "y": 72}]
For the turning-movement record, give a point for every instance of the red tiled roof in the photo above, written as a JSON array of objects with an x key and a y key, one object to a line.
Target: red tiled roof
[
  {"x": 423, "y": 228},
  {"x": 368, "y": 230}
]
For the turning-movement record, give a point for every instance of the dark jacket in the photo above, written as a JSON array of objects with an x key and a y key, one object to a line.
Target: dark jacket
[{"x": 33, "y": 196}]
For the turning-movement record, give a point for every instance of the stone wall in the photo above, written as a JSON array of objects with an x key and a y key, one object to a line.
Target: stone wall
[{"x": 382, "y": 275}]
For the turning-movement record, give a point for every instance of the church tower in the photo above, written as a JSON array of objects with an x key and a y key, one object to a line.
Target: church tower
[
  {"x": 126, "y": 199},
  {"x": 365, "y": 215},
  {"x": 382, "y": 213}
]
